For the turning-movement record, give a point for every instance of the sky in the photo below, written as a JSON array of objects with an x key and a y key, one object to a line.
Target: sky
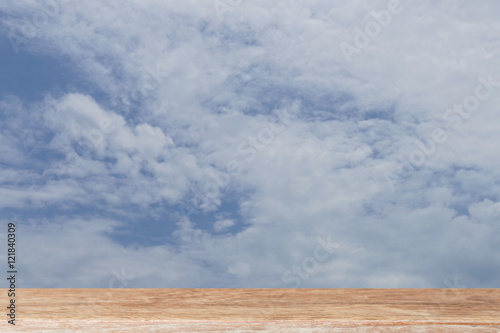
[{"x": 248, "y": 143}]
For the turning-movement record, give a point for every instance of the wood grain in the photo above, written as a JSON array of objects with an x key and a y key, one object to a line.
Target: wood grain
[{"x": 256, "y": 310}]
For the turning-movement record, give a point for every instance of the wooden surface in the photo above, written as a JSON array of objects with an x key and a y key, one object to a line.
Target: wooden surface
[{"x": 256, "y": 310}]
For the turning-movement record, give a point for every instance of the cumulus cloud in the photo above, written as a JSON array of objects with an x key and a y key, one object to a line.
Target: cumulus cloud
[
  {"x": 238, "y": 135},
  {"x": 222, "y": 225}
]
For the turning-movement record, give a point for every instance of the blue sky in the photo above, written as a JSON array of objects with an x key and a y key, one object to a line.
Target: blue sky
[{"x": 251, "y": 144}]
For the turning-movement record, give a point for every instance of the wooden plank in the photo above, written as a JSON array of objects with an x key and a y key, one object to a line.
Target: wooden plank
[{"x": 257, "y": 310}]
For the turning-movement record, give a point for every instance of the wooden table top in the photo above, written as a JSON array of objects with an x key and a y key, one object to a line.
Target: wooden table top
[{"x": 256, "y": 310}]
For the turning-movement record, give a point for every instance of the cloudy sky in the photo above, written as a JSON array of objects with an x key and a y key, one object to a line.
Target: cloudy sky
[{"x": 251, "y": 143}]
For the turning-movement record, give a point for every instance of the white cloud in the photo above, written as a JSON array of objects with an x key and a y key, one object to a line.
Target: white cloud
[
  {"x": 182, "y": 92},
  {"x": 222, "y": 225}
]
